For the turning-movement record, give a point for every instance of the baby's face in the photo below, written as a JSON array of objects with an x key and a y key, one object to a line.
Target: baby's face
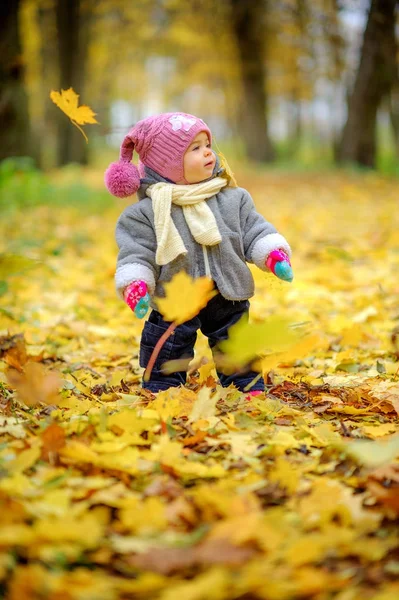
[{"x": 199, "y": 160}]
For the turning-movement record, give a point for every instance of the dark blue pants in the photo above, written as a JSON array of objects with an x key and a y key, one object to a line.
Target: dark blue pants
[{"x": 214, "y": 321}]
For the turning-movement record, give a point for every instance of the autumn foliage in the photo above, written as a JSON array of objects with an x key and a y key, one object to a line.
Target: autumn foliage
[
  {"x": 107, "y": 492},
  {"x": 68, "y": 102}
]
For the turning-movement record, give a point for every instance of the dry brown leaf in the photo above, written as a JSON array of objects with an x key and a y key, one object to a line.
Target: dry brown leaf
[
  {"x": 210, "y": 552},
  {"x": 53, "y": 438},
  {"x": 13, "y": 351},
  {"x": 383, "y": 483},
  {"x": 35, "y": 385}
]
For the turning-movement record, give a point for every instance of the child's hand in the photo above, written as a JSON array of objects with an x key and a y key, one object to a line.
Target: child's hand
[
  {"x": 137, "y": 298},
  {"x": 279, "y": 264}
]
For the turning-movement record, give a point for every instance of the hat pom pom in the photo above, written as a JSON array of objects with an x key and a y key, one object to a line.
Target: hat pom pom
[{"x": 122, "y": 179}]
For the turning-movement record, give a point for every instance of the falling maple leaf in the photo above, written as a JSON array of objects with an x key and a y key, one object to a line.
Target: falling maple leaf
[
  {"x": 247, "y": 340},
  {"x": 67, "y": 101},
  {"x": 299, "y": 350},
  {"x": 35, "y": 384},
  {"x": 185, "y": 297},
  {"x": 12, "y": 264}
]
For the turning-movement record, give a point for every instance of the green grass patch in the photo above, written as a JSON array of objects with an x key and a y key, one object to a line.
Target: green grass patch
[{"x": 23, "y": 186}]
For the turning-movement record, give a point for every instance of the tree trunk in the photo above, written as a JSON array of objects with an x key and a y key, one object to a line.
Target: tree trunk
[
  {"x": 14, "y": 118},
  {"x": 374, "y": 79},
  {"x": 248, "y": 18},
  {"x": 391, "y": 106},
  {"x": 394, "y": 115},
  {"x": 49, "y": 70},
  {"x": 73, "y": 37}
]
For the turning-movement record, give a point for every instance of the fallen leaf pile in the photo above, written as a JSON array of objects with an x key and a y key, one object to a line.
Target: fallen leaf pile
[{"x": 204, "y": 493}]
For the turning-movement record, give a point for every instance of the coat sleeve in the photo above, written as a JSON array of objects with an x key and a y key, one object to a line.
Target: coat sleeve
[
  {"x": 259, "y": 236},
  {"x": 137, "y": 244}
]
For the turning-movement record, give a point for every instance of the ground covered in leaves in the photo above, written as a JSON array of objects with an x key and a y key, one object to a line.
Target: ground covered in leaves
[{"x": 200, "y": 493}]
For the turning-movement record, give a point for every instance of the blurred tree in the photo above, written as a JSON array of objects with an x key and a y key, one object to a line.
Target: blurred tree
[
  {"x": 291, "y": 60},
  {"x": 254, "y": 70},
  {"x": 375, "y": 78},
  {"x": 249, "y": 30},
  {"x": 39, "y": 45},
  {"x": 14, "y": 119},
  {"x": 394, "y": 112},
  {"x": 73, "y": 18},
  {"x": 304, "y": 58},
  {"x": 45, "y": 113}
]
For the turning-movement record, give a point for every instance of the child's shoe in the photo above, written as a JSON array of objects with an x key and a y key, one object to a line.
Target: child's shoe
[{"x": 253, "y": 393}]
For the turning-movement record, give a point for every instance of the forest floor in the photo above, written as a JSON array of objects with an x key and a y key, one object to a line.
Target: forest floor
[{"x": 200, "y": 493}]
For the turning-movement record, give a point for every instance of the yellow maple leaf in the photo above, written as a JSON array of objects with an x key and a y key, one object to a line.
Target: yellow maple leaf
[
  {"x": 67, "y": 101},
  {"x": 25, "y": 460},
  {"x": 185, "y": 297},
  {"x": 85, "y": 530},
  {"x": 300, "y": 349},
  {"x": 285, "y": 474},
  {"x": 205, "y": 405},
  {"x": 145, "y": 517},
  {"x": 173, "y": 402},
  {"x": 374, "y": 454},
  {"x": 247, "y": 340},
  {"x": 12, "y": 264},
  {"x": 205, "y": 370}
]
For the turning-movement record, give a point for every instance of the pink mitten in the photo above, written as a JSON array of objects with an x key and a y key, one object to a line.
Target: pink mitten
[
  {"x": 279, "y": 264},
  {"x": 137, "y": 298}
]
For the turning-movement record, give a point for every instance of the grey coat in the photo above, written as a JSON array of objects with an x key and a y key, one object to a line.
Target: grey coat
[{"x": 246, "y": 237}]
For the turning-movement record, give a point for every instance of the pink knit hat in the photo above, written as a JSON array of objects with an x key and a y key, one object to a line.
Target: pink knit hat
[{"x": 161, "y": 142}]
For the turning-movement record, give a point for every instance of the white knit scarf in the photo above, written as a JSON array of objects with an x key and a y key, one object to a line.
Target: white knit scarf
[{"x": 197, "y": 213}]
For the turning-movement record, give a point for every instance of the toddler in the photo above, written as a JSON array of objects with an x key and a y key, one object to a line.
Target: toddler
[{"x": 189, "y": 217}]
